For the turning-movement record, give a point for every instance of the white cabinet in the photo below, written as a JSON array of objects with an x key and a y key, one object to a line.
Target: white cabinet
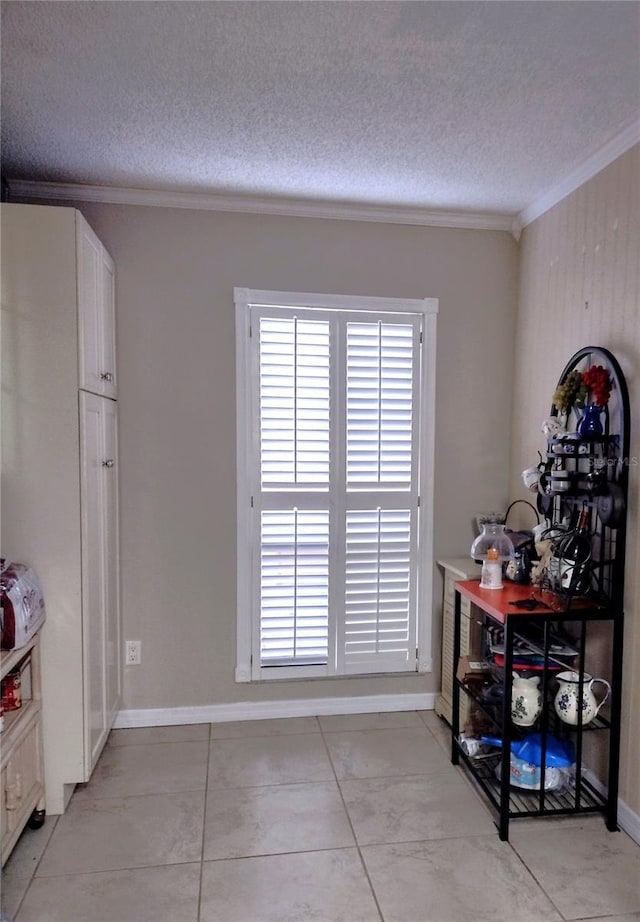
[
  {"x": 470, "y": 630},
  {"x": 96, "y": 319},
  {"x": 21, "y": 770},
  {"x": 59, "y": 501}
]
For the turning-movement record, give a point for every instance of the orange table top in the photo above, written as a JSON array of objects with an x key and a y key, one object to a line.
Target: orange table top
[{"x": 496, "y": 602}]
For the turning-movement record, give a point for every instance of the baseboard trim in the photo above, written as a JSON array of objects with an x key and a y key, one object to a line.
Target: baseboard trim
[
  {"x": 268, "y": 710},
  {"x": 628, "y": 820}
]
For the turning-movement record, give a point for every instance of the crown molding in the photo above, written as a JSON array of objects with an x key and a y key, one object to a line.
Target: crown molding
[
  {"x": 516, "y": 228},
  {"x": 609, "y": 152},
  {"x": 388, "y": 214}
]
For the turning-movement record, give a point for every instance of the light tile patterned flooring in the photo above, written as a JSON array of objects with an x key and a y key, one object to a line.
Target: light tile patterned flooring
[{"x": 357, "y": 818}]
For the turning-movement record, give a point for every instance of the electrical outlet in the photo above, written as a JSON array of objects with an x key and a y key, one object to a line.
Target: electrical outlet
[{"x": 133, "y": 652}]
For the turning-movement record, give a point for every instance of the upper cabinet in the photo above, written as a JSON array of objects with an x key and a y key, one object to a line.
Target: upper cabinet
[{"x": 96, "y": 314}]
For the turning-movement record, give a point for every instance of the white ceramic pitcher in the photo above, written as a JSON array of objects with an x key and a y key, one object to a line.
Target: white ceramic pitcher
[
  {"x": 567, "y": 697},
  {"x": 526, "y": 700}
]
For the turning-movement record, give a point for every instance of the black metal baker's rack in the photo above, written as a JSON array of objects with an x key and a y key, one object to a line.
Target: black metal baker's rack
[{"x": 561, "y": 498}]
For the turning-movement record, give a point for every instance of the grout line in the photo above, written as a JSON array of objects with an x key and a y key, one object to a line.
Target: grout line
[
  {"x": 353, "y": 832},
  {"x": 295, "y": 851},
  {"x": 534, "y": 878},
  {"x": 116, "y": 747},
  {"x": 98, "y": 798},
  {"x": 121, "y": 870},
  {"x": 204, "y": 825},
  {"x": 277, "y": 784}
]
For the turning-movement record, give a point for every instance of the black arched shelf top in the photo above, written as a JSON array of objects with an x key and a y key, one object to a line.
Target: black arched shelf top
[
  {"x": 618, "y": 405},
  {"x": 607, "y": 503}
]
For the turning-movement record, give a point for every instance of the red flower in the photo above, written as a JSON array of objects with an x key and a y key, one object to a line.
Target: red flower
[{"x": 598, "y": 382}]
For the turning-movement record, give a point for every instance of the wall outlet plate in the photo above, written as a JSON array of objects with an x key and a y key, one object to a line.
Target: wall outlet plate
[{"x": 133, "y": 652}]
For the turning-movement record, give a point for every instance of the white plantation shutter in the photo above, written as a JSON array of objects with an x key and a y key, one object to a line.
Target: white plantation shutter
[
  {"x": 380, "y": 559},
  {"x": 380, "y": 398},
  {"x": 379, "y": 627},
  {"x": 332, "y": 445},
  {"x": 294, "y": 402},
  {"x": 294, "y": 587}
]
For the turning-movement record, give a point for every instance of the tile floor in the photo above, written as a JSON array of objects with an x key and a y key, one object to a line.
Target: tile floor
[{"x": 358, "y": 818}]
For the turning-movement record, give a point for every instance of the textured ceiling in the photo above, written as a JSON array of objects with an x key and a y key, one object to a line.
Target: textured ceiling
[{"x": 459, "y": 106}]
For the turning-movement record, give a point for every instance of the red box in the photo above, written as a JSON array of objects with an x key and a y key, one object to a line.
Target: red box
[{"x": 12, "y": 691}]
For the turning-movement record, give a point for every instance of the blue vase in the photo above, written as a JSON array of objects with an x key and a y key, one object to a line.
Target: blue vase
[{"x": 590, "y": 425}]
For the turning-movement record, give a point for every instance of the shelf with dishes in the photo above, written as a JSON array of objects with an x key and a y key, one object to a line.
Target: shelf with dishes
[
  {"x": 549, "y": 689},
  {"x": 561, "y": 795},
  {"x": 530, "y": 706}
]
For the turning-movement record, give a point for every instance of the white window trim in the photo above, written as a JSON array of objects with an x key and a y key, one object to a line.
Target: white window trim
[{"x": 246, "y": 446}]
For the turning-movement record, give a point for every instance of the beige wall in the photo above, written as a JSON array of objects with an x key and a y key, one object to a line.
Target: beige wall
[
  {"x": 579, "y": 286},
  {"x": 176, "y": 270}
]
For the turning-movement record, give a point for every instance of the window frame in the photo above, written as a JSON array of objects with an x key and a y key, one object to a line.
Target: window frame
[{"x": 247, "y": 444}]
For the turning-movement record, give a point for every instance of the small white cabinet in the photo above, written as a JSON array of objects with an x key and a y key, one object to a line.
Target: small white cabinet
[
  {"x": 21, "y": 770},
  {"x": 60, "y": 472},
  {"x": 470, "y": 630}
]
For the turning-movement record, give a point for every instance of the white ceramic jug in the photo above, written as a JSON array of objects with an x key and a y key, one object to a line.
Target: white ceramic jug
[
  {"x": 567, "y": 696},
  {"x": 526, "y": 700}
]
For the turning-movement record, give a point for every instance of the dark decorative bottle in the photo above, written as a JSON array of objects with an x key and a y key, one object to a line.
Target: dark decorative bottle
[{"x": 574, "y": 551}]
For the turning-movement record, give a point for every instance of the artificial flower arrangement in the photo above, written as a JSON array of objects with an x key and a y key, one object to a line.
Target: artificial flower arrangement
[{"x": 581, "y": 388}]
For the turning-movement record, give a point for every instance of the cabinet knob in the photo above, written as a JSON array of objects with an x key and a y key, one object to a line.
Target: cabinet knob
[
  {"x": 106, "y": 376},
  {"x": 108, "y": 463}
]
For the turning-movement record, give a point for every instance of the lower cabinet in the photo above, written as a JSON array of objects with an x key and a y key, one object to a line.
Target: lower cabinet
[
  {"x": 101, "y": 632},
  {"x": 22, "y": 786}
]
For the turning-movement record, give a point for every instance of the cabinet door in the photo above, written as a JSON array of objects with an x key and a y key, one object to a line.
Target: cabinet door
[
  {"x": 22, "y": 785},
  {"x": 96, "y": 314},
  {"x": 108, "y": 345},
  {"x": 99, "y": 570},
  {"x": 113, "y": 660}
]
